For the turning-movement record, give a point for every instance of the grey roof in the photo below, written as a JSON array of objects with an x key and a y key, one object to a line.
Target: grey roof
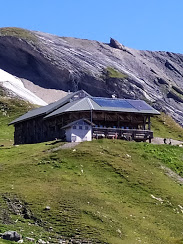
[
  {"x": 82, "y": 101},
  {"x": 79, "y": 105},
  {"x": 44, "y": 110},
  {"x": 88, "y": 104}
]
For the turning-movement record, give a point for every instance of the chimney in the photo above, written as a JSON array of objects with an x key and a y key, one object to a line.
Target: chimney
[{"x": 114, "y": 95}]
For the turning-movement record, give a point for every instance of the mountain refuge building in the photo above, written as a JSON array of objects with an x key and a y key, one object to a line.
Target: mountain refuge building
[{"x": 82, "y": 117}]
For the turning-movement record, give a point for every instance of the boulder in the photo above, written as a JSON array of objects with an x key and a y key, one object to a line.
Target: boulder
[
  {"x": 11, "y": 236},
  {"x": 114, "y": 43}
]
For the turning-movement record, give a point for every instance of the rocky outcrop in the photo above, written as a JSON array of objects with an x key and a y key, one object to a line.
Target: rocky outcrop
[
  {"x": 114, "y": 43},
  {"x": 66, "y": 63},
  {"x": 11, "y": 236}
]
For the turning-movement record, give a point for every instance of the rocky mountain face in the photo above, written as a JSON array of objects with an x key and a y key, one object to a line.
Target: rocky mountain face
[{"x": 102, "y": 69}]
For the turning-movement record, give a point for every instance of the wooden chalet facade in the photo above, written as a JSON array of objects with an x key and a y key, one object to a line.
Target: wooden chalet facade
[{"x": 122, "y": 118}]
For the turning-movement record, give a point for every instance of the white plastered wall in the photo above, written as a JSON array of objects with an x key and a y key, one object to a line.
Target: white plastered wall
[{"x": 79, "y": 135}]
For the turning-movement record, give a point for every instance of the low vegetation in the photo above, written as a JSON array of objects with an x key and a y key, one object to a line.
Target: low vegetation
[
  {"x": 113, "y": 73},
  {"x": 18, "y": 32},
  {"x": 104, "y": 191}
]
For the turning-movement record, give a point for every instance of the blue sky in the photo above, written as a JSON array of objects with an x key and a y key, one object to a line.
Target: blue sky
[{"x": 140, "y": 24}]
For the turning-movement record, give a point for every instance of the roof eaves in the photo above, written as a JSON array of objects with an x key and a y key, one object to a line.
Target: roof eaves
[
  {"x": 76, "y": 121},
  {"x": 114, "y": 109},
  {"x": 18, "y": 120}
]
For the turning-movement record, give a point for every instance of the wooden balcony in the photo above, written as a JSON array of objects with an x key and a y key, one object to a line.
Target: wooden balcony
[{"x": 126, "y": 134}]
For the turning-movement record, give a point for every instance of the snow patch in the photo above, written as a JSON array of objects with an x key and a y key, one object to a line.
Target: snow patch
[{"x": 14, "y": 84}]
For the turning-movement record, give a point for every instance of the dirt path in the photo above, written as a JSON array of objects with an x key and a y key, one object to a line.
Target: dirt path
[
  {"x": 155, "y": 140},
  {"x": 158, "y": 140},
  {"x": 65, "y": 146},
  {"x": 172, "y": 175}
]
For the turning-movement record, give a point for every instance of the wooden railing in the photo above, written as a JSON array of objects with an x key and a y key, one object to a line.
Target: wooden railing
[{"x": 126, "y": 134}]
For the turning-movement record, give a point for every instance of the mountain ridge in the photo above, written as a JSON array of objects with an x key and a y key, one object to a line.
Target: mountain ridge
[{"x": 67, "y": 63}]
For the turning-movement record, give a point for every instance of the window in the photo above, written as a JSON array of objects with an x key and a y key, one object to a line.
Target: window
[
  {"x": 86, "y": 127},
  {"x": 80, "y": 127},
  {"x": 74, "y": 127}
]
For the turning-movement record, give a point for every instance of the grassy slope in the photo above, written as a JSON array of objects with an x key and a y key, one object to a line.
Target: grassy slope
[
  {"x": 164, "y": 126},
  {"x": 9, "y": 110},
  {"x": 100, "y": 191}
]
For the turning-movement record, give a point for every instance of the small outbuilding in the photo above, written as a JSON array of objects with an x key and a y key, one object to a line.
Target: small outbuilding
[{"x": 78, "y": 131}]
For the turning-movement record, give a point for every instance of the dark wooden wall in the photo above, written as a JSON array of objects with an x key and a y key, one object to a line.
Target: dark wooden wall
[{"x": 40, "y": 130}]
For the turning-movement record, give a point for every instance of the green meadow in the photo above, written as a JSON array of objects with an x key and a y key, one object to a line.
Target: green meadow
[{"x": 104, "y": 191}]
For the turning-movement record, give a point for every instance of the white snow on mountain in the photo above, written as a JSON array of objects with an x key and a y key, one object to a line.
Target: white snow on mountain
[{"x": 15, "y": 85}]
